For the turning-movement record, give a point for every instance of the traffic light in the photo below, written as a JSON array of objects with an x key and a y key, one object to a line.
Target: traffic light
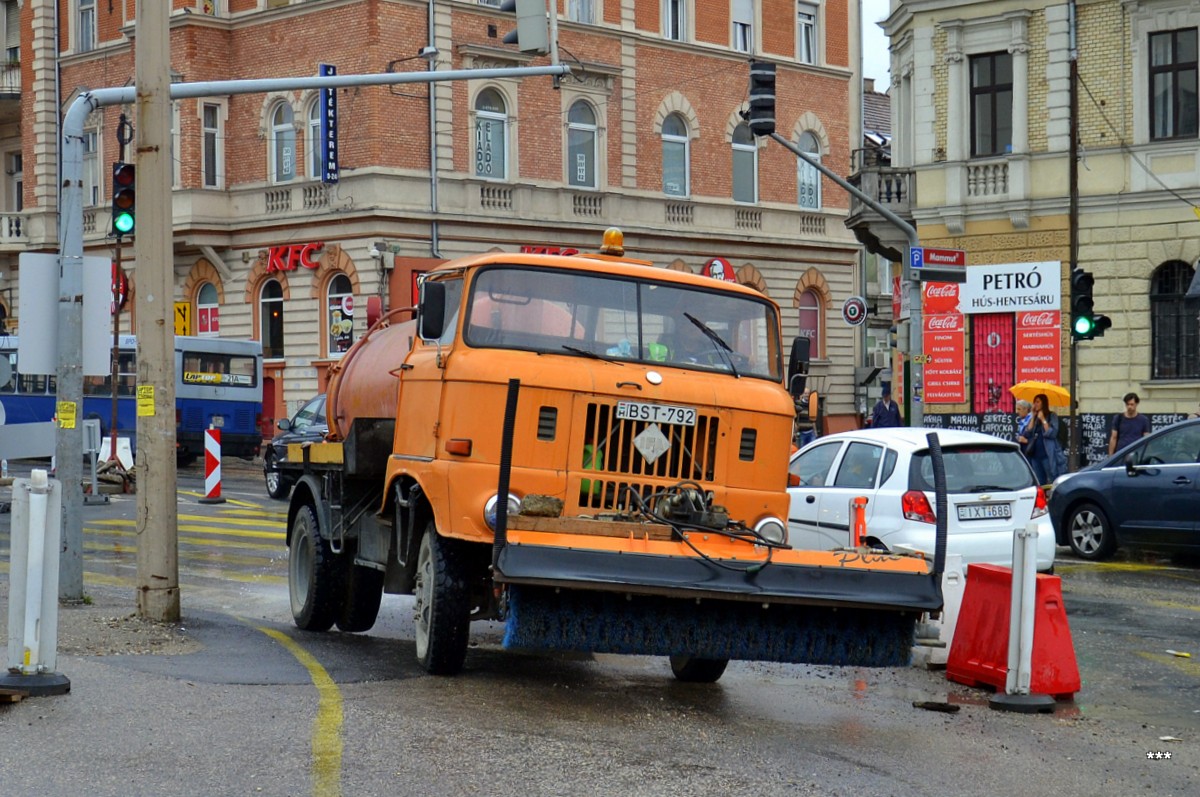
[
  {"x": 124, "y": 199},
  {"x": 530, "y": 35},
  {"x": 762, "y": 98},
  {"x": 1083, "y": 317}
]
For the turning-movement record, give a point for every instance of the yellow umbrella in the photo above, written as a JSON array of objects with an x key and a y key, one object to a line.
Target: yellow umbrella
[{"x": 1058, "y": 395}]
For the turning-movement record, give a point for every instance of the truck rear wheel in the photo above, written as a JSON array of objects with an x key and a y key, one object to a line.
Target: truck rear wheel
[
  {"x": 698, "y": 671},
  {"x": 364, "y": 591},
  {"x": 442, "y": 610},
  {"x": 313, "y": 570}
]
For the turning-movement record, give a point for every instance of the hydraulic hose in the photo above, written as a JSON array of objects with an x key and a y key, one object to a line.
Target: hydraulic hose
[
  {"x": 940, "y": 504},
  {"x": 506, "y": 444}
]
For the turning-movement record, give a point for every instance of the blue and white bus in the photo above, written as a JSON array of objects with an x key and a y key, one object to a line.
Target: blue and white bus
[{"x": 218, "y": 384}]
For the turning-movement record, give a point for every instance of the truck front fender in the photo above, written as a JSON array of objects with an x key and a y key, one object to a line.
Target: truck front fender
[{"x": 308, "y": 491}]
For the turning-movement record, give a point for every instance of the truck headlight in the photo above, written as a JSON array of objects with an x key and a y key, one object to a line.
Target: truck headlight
[
  {"x": 773, "y": 530},
  {"x": 489, "y": 509}
]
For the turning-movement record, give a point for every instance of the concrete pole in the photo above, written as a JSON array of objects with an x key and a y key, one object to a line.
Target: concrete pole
[{"x": 157, "y": 521}]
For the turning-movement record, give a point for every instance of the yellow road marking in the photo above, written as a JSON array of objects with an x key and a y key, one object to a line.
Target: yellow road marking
[
  {"x": 233, "y": 501},
  {"x": 113, "y": 531},
  {"x": 1189, "y": 607},
  {"x": 214, "y": 559},
  {"x": 327, "y": 726},
  {"x": 218, "y": 521},
  {"x": 1185, "y": 666}
]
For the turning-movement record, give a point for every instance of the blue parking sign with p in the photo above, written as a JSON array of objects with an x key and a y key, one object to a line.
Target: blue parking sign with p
[{"x": 916, "y": 257}]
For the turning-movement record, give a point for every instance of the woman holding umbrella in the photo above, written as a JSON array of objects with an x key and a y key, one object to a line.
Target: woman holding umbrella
[{"x": 1041, "y": 435}]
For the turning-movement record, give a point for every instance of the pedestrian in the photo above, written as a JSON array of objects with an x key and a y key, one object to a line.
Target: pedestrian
[
  {"x": 1023, "y": 419},
  {"x": 1041, "y": 447},
  {"x": 1127, "y": 427},
  {"x": 886, "y": 413}
]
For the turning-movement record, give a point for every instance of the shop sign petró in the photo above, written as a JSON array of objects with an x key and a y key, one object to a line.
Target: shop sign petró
[
  {"x": 290, "y": 256},
  {"x": 1012, "y": 288}
]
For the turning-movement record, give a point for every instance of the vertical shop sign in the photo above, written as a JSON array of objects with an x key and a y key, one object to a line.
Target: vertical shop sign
[
  {"x": 945, "y": 381},
  {"x": 341, "y": 323},
  {"x": 1039, "y": 346},
  {"x": 328, "y": 110}
]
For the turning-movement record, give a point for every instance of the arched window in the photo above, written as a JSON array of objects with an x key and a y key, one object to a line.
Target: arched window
[
  {"x": 283, "y": 144},
  {"x": 810, "y": 318},
  {"x": 1175, "y": 334},
  {"x": 745, "y": 165},
  {"x": 339, "y": 298},
  {"x": 808, "y": 178},
  {"x": 581, "y": 145},
  {"x": 491, "y": 135},
  {"x": 270, "y": 319},
  {"x": 312, "y": 140},
  {"x": 676, "y": 156},
  {"x": 208, "y": 312}
]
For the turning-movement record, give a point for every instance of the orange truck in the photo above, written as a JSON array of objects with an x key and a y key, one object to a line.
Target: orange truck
[{"x": 593, "y": 451}]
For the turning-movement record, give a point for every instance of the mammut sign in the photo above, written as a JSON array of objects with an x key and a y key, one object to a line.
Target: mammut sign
[{"x": 288, "y": 257}]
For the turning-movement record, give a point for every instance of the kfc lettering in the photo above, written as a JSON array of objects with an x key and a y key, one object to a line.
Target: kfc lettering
[
  {"x": 287, "y": 258},
  {"x": 530, "y": 249}
]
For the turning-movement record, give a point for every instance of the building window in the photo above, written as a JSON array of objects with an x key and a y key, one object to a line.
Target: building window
[
  {"x": 809, "y": 316},
  {"x": 340, "y": 302},
  {"x": 808, "y": 178},
  {"x": 312, "y": 139},
  {"x": 87, "y": 26},
  {"x": 581, "y": 146},
  {"x": 743, "y": 25},
  {"x": 495, "y": 3},
  {"x": 91, "y": 169},
  {"x": 991, "y": 104},
  {"x": 675, "y": 20},
  {"x": 806, "y": 33},
  {"x": 581, "y": 11},
  {"x": 1173, "y": 112},
  {"x": 208, "y": 312},
  {"x": 1174, "y": 334},
  {"x": 12, "y": 31},
  {"x": 283, "y": 144},
  {"x": 210, "y": 123},
  {"x": 270, "y": 319},
  {"x": 676, "y": 156},
  {"x": 16, "y": 168},
  {"x": 176, "y": 147},
  {"x": 745, "y": 165},
  {"x": 491, "y": 135}
]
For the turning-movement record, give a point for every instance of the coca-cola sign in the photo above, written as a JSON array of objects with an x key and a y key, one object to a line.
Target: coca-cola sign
[
  {"x": 1039, "y": 346},
  {"x": 953, "y": 321},
  {"x": 939, "y": 297},
  {"x": 1045, "y": 318}
]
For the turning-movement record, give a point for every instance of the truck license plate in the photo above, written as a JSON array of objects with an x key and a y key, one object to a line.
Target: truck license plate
[
  {"x": 218, "y": 421},
  {"x": 984, "y": 511},
  {"x": 656, "y": 413}
]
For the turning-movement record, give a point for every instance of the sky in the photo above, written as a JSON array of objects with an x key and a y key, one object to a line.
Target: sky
[{"x": 875, "y": 54}]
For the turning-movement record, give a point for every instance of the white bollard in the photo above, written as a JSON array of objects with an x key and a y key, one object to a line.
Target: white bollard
[
  {"x": 1017, "y": 696},
  {"x": 33, "y": 587}
]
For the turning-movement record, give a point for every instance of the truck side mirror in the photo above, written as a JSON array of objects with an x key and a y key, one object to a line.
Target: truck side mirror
[
  {"x": 798, "y": 365},
  {"x": 431, "y": 310}
]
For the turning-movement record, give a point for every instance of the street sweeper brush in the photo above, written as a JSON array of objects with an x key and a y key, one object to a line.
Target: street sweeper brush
[{"x": 546, "y": 618}]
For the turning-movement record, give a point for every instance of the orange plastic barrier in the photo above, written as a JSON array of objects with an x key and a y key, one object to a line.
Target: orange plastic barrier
[
  {"x": 859, "y": 529},
  {"x": 979, "y": 650}
]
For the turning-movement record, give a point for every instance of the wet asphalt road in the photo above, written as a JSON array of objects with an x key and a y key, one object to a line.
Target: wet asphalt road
[{"x": 262, "y": 708}]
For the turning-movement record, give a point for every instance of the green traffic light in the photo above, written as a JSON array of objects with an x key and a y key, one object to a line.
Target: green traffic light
[
  {"x": 1084, "y": 325},
  {"x": 123, "y": 223}
]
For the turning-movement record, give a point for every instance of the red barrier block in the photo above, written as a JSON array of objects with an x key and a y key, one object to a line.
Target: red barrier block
[{"x": 979, "y": 650}]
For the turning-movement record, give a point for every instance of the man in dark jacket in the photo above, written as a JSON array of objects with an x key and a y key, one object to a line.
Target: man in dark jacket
[{"x": 886, "y": 413}]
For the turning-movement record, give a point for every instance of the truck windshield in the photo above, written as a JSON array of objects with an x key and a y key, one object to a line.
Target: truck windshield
[{"x": 587, "y": 315}]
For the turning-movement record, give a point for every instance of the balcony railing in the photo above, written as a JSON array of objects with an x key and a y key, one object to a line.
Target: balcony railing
[
  {"x": 12, "y": 228},
  {"x": 10, "y": 78}
]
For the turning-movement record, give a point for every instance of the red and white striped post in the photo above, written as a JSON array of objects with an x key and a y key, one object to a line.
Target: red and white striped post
[{"x": 212, "y": 467}]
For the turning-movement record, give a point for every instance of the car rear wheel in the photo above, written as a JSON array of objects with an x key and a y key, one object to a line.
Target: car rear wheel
[
  {"x": 278, "y": 485},
  {"x": 698, "y": 671},
  {"x": 1089, "y": 533}
]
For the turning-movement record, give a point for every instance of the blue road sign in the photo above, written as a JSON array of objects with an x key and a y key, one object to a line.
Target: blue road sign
[{"x": 916, "y": 257}]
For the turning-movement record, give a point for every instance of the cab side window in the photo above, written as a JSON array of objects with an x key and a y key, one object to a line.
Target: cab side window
[{"x": 812, "y": 467}]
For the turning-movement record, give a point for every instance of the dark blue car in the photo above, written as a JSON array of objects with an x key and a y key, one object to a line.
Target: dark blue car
[
  {"x": 1145, "y": 495},
  {"x": 307, "y": 425}
]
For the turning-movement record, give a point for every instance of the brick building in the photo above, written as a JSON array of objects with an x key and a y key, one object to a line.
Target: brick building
[
  {"x": 644, "y": 135},
  {"x": 982, "y": 124}
]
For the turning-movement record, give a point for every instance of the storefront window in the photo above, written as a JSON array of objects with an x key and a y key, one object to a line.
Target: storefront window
[
  {"x": 340, "y": 303},
  {"x": 208, "y": 312},
  {"x": 809, "y": 317},
  {"x": 271, "y": 319}
]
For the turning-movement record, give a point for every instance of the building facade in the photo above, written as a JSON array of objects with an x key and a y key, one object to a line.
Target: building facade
[
  {"x": 645, "y": 135},
  {"x": 982, "y": 121}
]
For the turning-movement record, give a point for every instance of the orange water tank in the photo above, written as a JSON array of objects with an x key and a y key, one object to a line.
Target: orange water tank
[{"x": 363, "y": 384}]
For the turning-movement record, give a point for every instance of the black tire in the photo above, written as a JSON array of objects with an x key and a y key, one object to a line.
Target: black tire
[
  {"x": 278, "y": 485},
  {"x": 442, "y": 609},
  {"x": 360, "y": 603},
  {"x": 1089, "y": 533},
  {"x": 314, "y": 575},
  {"x": 698, "y": 671}
]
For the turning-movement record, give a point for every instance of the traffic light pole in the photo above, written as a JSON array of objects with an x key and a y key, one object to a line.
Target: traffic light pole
[
  {"x": 1073, "y": 237},
  {"x": 915, "y": 343}
]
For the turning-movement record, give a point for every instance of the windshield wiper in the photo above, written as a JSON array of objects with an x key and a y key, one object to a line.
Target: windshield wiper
[
  {"x": 724, "y": 348},
  {"x": 592, "y": 354}
]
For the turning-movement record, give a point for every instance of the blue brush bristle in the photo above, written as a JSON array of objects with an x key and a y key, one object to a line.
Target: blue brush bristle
[{"x": 605, "y": 622}]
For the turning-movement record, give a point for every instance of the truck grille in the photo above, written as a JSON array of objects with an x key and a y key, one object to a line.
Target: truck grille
[{"x": 609, "y": 450}]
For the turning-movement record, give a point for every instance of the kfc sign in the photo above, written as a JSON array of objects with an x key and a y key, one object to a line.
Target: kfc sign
[
  {"x": 531, "y": 249},
  {"x": 720, "y": 269},
  {"x": 287, "y": 258}
]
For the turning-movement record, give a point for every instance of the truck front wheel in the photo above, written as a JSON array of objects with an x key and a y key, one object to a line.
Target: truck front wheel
[
  {"x": 442, "y": 609},
  {"x": 698, "y": 671},
  {"x": 313, "y": 570}
]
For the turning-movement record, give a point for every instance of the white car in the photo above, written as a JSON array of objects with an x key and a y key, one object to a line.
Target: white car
[{"x": 991, "y": 493}]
